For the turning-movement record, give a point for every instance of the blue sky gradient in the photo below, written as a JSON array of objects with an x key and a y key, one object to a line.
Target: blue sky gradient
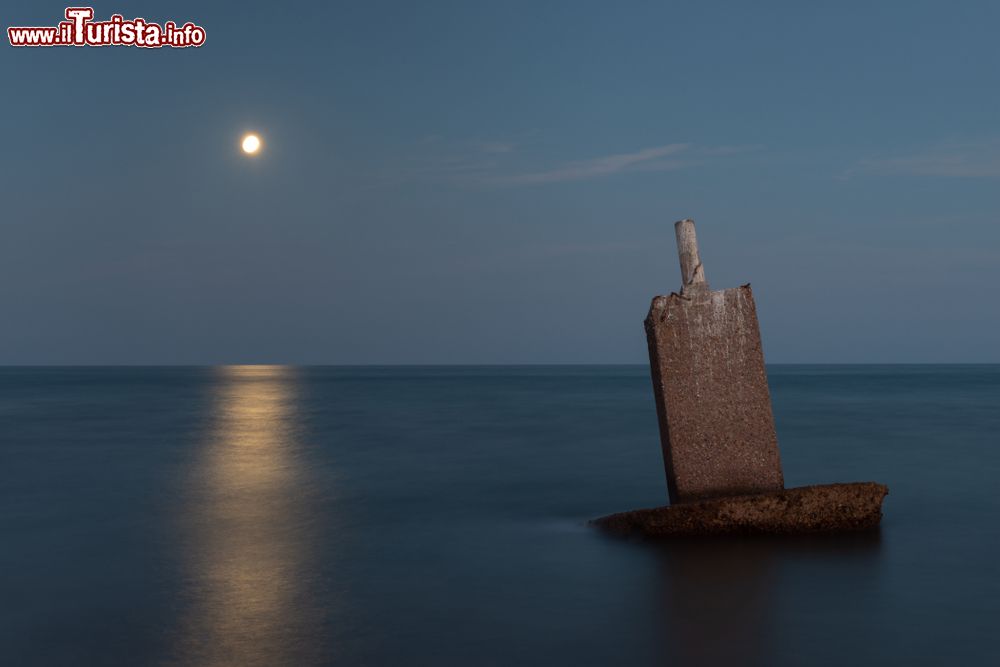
[{"x": 482, "y": 182}]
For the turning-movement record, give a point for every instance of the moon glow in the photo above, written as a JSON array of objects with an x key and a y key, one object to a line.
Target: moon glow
[{"x": 251, "y": 144}]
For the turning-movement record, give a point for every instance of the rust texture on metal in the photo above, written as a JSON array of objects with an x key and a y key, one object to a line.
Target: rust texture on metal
[{"x": 710, "y": 384}]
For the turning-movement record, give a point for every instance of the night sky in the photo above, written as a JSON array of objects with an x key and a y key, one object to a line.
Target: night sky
[{"x": 496, "y": 182}]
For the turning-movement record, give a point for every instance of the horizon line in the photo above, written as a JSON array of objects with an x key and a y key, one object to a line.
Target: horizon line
[{"x": 472, "y": 365}]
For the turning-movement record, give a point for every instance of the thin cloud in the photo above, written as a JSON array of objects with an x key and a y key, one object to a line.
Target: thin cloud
[
  {"x": 582, "y": 170},
  {"x": 980, "y": 160},
  {"x": 732, "y": 150},
  {"x": 494, "y": 147},
  {"x": 497, "y": 163}
]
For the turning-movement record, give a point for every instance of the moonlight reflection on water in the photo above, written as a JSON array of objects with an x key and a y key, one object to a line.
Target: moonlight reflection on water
[{"x": 247, "y": 523}]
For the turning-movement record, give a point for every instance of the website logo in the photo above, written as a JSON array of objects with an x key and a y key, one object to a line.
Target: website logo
[{"x": 80, "y": 29}]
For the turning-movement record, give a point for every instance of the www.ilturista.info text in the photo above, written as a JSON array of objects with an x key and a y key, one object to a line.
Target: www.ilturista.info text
[{"x": 79, "y": 29}]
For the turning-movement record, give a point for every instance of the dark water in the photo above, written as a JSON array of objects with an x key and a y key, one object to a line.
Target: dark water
[{"x": 436, "y": 516}]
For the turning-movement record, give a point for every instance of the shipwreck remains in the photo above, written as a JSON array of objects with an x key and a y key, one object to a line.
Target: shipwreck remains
[{"x": 720, "y": 448}]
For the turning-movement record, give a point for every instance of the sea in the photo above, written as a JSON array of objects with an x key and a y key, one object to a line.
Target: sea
[{"x": 277, "y": 515}]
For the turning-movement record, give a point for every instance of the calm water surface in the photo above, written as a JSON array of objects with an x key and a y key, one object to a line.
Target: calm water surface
[{"x": 437, "y": 516}]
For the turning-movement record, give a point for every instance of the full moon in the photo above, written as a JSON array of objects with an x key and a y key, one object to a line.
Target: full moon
[{"x": 251, "y": 144}]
